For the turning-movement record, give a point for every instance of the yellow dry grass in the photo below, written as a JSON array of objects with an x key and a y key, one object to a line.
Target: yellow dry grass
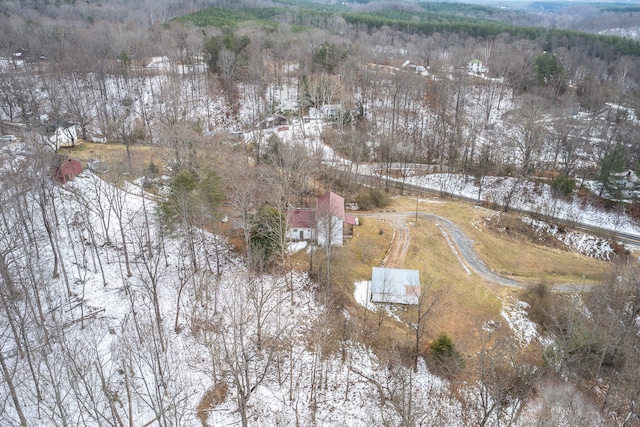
[
  {"x": 364, "y": 250},
  {"x": 466, "y": 301},
  {"x": 521, "y": 259},
  {"x": 114, "y": 155}
]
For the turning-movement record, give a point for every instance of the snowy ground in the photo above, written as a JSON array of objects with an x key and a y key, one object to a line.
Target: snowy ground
[
  {"x": 149, "y": 344},
  {"x": 514, "y": 312},
  {"x": 141, "y": 320},
  {"x": 579, "y": 242}
]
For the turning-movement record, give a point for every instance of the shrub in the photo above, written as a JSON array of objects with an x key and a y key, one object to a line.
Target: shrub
[
  {"x": 372, "y": 199},
  {"x": 563, "y": 185},
  {"x": 153, "y": 168},
  {"x": 447, "y": 358},
  {"x": 443, "y": 346}
]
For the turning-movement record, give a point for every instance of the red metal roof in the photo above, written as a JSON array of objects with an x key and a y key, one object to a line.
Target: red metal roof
[
  {"x": 66, "y": 168},
  {"x": 330, "y": 203},
  {"x": 301, "y": 218}
]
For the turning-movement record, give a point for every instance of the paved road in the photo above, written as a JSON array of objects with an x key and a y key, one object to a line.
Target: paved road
[{"x": 464, "y": 245}]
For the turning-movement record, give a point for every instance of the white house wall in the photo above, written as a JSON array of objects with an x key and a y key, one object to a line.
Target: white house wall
[
  {"x": 293, "y": 234},
  {"x": 330, "y": 232},
  {"x": 64, "y": 137}
]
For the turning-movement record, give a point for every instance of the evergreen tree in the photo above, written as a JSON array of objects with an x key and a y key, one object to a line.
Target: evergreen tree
[{"x": 613, "y": 161}]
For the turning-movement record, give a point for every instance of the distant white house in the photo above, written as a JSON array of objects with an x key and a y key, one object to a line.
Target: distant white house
[
  {"x": 419, "y": 69},
  {"x": 331, "y": 112},
  {"x": 475, "y": 66},
  {"x": 395, "y": 286},
  {"x": 60, "y": 134}
]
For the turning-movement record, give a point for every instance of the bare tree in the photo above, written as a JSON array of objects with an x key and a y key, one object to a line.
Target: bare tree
[
  {"x": 506, "y": 379},
  {"x": 116, "y": 198},
  {"x": 180, "y": 143},
  {"x": 245, "y": 362},
  {"x": 533, "y": 133},
  {"x": 427, "y": 305},
  {"x": 558, "y": 402}
]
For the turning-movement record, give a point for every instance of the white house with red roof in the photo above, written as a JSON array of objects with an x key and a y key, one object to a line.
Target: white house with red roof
[
  {"x": 327, "y": 223},
  {"x": 330, "y": 218},
  {"x": 301, "y": 224}
]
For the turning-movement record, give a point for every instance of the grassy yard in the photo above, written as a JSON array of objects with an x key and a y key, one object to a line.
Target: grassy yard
[
  {"x": 517, "y": 257},
  {"x": 114, "y": 155},
  {"x": 465, "y": 301},
  {"x": 507, "y": 254}
]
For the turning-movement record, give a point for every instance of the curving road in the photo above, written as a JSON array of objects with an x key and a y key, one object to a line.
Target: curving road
[{"x": 469, "y": 259}]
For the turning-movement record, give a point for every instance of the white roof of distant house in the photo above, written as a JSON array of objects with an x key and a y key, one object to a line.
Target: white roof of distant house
[{"x": 395, "y": 285}]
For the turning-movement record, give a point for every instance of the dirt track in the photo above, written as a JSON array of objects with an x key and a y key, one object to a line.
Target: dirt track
[{"x": 397, "y": 252}]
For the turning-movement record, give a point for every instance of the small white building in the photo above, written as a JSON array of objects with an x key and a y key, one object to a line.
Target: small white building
[
  {"x": 301, "y": 224},
  {"x": 331, "y": 112},
  {"x": 61, "y": 134},
  {"x": 475, "y": 66},
  {"x": 395, "y": 286}
]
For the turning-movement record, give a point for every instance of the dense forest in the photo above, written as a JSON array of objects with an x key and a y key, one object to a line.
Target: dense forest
[{"x": 159, "y": 289}]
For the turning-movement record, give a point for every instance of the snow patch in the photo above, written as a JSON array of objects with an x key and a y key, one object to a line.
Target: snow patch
[
  {"x": 296, "y": 246},
  {"x": 362, "y": 290},
  {"x": 514, "y": 313},
  {"x": 579, "y": 242}
]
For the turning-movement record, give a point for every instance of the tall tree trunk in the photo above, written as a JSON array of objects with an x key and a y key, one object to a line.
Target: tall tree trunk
[{"x": 12, "y": 390}]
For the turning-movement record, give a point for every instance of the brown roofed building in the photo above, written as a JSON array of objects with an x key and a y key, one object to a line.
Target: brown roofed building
[{"x": 65, "y": 168}]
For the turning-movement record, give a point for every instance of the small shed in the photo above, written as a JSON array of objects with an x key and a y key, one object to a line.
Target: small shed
[
  {"x": 65, "y": 168},
  {"x": 350, "y": 220},
  {"x": 395, "y": 286}
]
